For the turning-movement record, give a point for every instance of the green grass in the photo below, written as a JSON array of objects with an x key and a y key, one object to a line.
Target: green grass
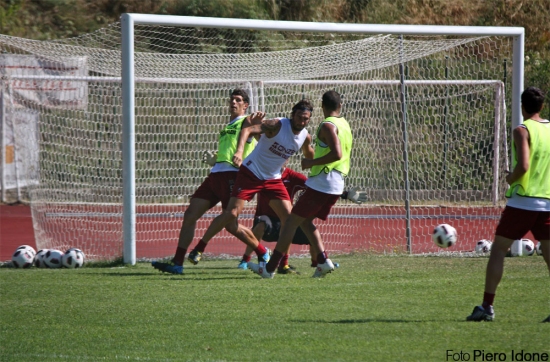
[{"x": 373, "y": 308}]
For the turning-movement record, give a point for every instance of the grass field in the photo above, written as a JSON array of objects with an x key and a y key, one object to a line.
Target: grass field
[{"x": 372, "y": 308}]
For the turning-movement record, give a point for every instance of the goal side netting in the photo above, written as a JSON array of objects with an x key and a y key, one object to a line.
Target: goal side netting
[{"x": 428, "y": 115}]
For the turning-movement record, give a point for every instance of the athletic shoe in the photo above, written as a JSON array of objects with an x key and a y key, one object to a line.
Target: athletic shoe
[
  {"x": 287, "y": 269},
  {"x": 194, "y": 256},
  {"x": 547, "y": 320},
  {"x": 167, "y": 267},
  {"x": 481, "y": 314},
  {"x": 265, "y": 258},
  {"x": 243, "y": 265},
  {"x": 260, "y": 270},
  {"x": 336, "y": 265},
  {"x": 323, "y": 269}
]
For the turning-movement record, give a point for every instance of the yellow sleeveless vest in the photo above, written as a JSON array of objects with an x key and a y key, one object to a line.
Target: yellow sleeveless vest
[
  {"x": 536, "y": 181},
  {"x": 229, "y": 138},
  {"x": 346, "y": 140}
]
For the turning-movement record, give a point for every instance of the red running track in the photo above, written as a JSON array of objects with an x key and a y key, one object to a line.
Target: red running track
[{"x": 382, "y": 228}]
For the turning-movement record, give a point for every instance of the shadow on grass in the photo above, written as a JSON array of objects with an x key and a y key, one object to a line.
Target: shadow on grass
[{"x": 365, "y": 320}]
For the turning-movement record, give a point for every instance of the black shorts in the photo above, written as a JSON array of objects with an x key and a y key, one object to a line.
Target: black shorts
[{"x": 273, "y": 228}]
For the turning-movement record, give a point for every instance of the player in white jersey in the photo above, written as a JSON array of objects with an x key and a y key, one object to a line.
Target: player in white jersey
[{"x": 280, "y": 138}]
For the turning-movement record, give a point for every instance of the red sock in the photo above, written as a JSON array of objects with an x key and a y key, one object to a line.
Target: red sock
[
  {"x": 488, "y": 299},
  {"x": 180, "y": 256},
  {"x": 260, "y": 250},
  {"x": 246, "y": 258},
  {"x": 274, "y": 261},
  {"x": 200, "y": 246},
  {"x": 284, "y": 261},
  {"x": 322, "y": 257}
]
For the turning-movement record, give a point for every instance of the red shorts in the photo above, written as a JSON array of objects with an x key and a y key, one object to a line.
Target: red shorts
[
  {"x": 247, "y": 185},
  {"x": 314, "y": 203},
  {"x": 217, "y": 187},
  {"x": 515, "y": 223}
]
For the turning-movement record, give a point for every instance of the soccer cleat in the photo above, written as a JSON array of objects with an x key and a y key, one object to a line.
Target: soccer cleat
[
  {"x": 287, "y": 269},
  {"x": 194, "y": 256},
  {"x": 260, "y": 270},
  {"x": 167, "y": 267},
  {"x": 481, "y": 314},
  {"x": 265, "y": 258},
  {"x": 243, "y": 265},
  {"x": 547, "y": 320},
  {"x": 323, "y": 269}
]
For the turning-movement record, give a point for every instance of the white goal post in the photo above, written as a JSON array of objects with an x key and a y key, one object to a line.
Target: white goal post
[
  {"x": 128, "y": 78},
  {"x": 103, "y": 133}
]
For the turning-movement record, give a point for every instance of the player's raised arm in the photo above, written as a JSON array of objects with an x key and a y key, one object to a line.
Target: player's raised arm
[{"x": 252, "y": 126}]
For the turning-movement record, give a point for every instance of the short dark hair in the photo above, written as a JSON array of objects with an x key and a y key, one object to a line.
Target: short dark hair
[
  {"x": 242, "y": 93},
  {"x": 331, "y": 100},
  {"x": 532, "y": 100},
  {"x": 304, "y": 105}
]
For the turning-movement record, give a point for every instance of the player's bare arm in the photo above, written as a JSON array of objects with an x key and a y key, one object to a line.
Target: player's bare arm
[
  {"x": 307, "y": 147},
  {"x": 328, "y": 134},
  {"x": 521, "y": 141},
  {"x": 270, "y": 127},
  {"x": 244, "y": 135}
]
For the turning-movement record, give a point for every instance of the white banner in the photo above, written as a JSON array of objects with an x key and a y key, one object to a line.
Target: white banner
[
  {"x": 45, "y": 90},
  {"x": 20, "y": 140}
]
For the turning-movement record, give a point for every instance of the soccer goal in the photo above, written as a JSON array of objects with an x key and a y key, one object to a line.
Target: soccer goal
[{"x": 131, "y": 107}]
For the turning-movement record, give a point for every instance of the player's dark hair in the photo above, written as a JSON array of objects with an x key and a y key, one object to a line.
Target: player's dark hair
[
  {"x": 331, "y": 100},
  {"x": 242, "y": 93},
  {"x": 532, "y": 100},
  {"x": 303, "y": 105}
]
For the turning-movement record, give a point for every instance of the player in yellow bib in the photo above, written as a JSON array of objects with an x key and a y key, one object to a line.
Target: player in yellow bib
[{"x": 528, "y": 205}]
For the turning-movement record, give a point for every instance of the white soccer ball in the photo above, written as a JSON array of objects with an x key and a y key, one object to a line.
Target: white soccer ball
[
  {"x": 483, "y": 246},
  {"x": 73, "y": 258},
  {"x": 444, "y": 236},
  {"x": 526, "y": 246},
  {"x": 39, "y": 258},
  {"x": 52, "y": 258},
  {"x": 538, "y": 250},
  {"x": 23, "y": 256}
]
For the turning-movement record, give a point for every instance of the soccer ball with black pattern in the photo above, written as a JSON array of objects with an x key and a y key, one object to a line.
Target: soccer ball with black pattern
[
  {"x": 52, "y": 258},
  {"x": 73, "y": 258},
  {"x": 538, "y": 250},
  {"x": 483, "y": 246},
  {"x": 39, "y": 258},
  {"x": 444, "y": 236},
  {"x": 23, "y": 256},
  {"x": 526, "y": 245}
]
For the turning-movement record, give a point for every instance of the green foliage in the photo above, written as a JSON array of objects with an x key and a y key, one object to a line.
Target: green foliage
[{"x": 390, "y": 308}]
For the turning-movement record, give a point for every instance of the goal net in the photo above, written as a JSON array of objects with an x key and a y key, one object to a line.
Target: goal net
[{"x": 428, "y": 115}]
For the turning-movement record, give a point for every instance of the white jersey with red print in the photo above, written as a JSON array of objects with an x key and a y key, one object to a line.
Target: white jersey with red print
[{"x": 270, "y": 154}]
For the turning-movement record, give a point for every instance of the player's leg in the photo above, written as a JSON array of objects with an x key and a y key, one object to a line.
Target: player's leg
[
  {"x": 258, "y": 231},
  {"x": 197, "y": 207},
  {"x": 545, "y": 248},
  {"x": 288, "y": 229},
  {"x": 514, "y": 224}
]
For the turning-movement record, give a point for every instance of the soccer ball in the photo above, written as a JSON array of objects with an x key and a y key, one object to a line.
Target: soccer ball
[
  {"x": 52, "y": 258},
  {"x": 39, "y": 258},
  {"x": 444, "y": 236},
  {"x": 23, "y": 256},
  {"x": 483, "y": 246},
  {"x": 73, "y": 258},
  {"x": 538, "y": 250},
  {"x": 526, "y": 246}
]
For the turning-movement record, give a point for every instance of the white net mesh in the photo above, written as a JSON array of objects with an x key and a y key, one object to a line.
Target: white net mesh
[{"x": 454, "y": 139}]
